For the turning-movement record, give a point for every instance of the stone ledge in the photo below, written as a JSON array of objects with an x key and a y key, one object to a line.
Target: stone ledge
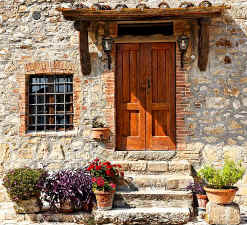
[
  {"x": 143, "y": 216},
  {"x": 153, "y": 198},
  {"x": 79, "y": 217},
  {"x": 156, "y": 167},
  {"x": 169, "y": 182}
]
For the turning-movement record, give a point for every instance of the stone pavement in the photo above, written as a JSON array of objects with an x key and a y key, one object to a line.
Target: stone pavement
[{"x": 196, "y": 221}]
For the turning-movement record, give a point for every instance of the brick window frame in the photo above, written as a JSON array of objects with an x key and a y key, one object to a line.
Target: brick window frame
[{"x": 46, "y": 68}]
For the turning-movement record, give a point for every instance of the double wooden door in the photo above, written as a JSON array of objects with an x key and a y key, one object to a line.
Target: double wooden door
[{"x": 145, "y": 96}]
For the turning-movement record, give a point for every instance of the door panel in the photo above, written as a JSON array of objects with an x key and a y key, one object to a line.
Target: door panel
[
  {"x": 145, "y": 86},
  {"x": 130, "y": 97},
  {"x": 161, "y": 97}
]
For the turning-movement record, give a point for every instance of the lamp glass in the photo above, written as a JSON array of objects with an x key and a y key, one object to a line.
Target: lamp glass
[
  {"x": 107, "y": 44},
  {"x": 183, "y": 43}
]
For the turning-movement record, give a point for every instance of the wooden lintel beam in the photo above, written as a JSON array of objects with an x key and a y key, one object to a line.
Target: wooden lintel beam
[
  {"x": 84, "y": 48},
  {"x": 203, "y": 44}
]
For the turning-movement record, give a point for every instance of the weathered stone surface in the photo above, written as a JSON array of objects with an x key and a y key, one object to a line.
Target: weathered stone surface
[
  {"x": 143, "y": 216},
  {"x": 32, "y": 205},
  {"x": 159, "y": 198},
  {"x": 144, "y": 155},
  {"x": 223, "y": 214}
]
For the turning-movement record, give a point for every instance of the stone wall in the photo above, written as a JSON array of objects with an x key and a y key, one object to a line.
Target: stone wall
[{"x": 215, "y": 101}]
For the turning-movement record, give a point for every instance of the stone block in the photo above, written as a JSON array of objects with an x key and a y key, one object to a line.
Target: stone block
[
  {"x": 223, "y": 214},
  {"x": 178, "y": 166},
  {"x": 158, "y": 166}
]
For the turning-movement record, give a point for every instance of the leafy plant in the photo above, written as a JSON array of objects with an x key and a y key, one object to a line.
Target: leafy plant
[
  {"x": 105, "y": 176},
  {"x": 196, "y": 188},
  {"x": 22, "y": 183},
  {"x": 223, "y": 178},
  {"x": 97, "y": 124},
  {"x": 74, "y": 185}
]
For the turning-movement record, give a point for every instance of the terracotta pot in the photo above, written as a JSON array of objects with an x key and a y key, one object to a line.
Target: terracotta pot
[
  {"x": 101, "y": 133},
  {"x": 104, "y": 199},
  {"x": 202, "y": 201},
  {"x": 66, "y": 206},
  {"x": 221, "y": 196}
]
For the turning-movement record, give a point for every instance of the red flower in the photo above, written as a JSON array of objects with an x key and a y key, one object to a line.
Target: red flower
[
  {"x": 94, "y": 179},
  {"x": 107, "y": 163},
  {"x": 113, "y": 185},
  {"x": 109, "y": 166},
  {"x": 100, "y": 182},
  {"x": 98, "y": 167},
  {"x": 119, "y": 166},
  {"x": 90, "y": 167},
  {"x": 96, "y": 160},
  {"x": 108, "y": 173},
  {"x": 122, "y": 173}
]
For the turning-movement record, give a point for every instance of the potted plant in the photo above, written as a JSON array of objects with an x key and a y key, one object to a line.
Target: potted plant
[
  {"x": 69, "y": 189},
  {"x": 105, "y": 176},
  {"x": 99, "y": 131},
  {"x": 220, "y": 182},
  {"x": 21, "y": 185},
  {"x": 197, "y": 188}
]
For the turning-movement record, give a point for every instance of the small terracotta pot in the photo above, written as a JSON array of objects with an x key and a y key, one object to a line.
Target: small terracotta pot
[
  {"x": 101, "y": 133},
  {"x": 104, "y": 199},
  {"x": 221, "y": 196},
  {"x": 202, "y": 201}
]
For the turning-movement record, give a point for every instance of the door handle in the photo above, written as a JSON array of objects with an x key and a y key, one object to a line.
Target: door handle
[{"x": 149, "y": 83}]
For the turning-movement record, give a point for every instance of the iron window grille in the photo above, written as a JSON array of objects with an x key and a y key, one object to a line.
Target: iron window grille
[{"x": 50, "y": 103}]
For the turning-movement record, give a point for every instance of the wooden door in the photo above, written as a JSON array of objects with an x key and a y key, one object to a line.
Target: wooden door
[{"x": 145, "y": 96}]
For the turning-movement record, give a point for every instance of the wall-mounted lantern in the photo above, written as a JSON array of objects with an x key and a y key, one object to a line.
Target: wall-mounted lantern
[
  {"x": 107, "y": 47},
  {"x": 183, "y": 43}
]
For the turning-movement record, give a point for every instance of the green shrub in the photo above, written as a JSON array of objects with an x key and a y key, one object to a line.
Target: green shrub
[
  {"x": 223, "y": 178},
  {"x": 21, "y": 183}
]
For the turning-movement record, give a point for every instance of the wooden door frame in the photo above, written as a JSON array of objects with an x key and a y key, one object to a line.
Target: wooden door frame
[{"x": 170, "y": 39}]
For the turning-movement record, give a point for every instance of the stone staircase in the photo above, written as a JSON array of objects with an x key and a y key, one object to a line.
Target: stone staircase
[{"x": 153, "y": 193}]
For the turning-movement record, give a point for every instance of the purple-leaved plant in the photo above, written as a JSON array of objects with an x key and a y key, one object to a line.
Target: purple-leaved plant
[
  {"x": 71, "y": 184},
  {"x": 196, "y": 188}
]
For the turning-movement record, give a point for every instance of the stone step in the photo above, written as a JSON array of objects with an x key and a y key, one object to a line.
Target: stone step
[
  {"x": 160, "y": 198},
  {"x": 156, "y": 167},
  {"x": 143, "y": 216},
  {"x": 143, "y": 155},
  {"x": 133, "y": 182}
]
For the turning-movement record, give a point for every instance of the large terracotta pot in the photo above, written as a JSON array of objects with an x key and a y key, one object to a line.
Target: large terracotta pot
[
  {"x": 104, "y": 199},
  {"x": 202, "y": 201},
  {"x": 221, "y": 196},
  {"x": 101, "y": 133}
]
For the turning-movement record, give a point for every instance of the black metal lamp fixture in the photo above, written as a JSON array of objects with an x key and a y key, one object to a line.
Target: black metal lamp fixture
[
  {"x": 183, "y": 43},
  {"x": 107, "y": 47}
]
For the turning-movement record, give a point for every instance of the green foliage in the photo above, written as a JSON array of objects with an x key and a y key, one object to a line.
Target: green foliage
[
  {"x": 223, "y": 178},
  {"x": 21, "y": 183}
]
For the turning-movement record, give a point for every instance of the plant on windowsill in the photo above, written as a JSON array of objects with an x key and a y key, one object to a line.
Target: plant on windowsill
[
  {"x": 105, "y": 176},
  {"x": 219, "y": 182},
  {"x": 22, "y": 187},
  {"x": 197, "y": 188},
  {"x": 67, "y": 190},
  {"x": 99, "y": 131}
]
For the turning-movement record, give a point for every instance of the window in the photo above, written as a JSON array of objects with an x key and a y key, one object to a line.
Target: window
[{"x": 50, "y": 103}]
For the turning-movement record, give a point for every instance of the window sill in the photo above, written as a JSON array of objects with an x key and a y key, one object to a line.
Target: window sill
[{"x": 69, "y": 133}]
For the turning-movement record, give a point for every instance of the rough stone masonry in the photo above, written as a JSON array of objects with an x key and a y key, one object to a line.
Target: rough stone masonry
[{"x": 215, "y": 104}]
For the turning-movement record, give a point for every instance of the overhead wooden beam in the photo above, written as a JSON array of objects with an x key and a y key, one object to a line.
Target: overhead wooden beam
[
  {"x": 138, "y": 14},
  {"x": 203, "y": 44},
  {"x": 84, "y": 48}
]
